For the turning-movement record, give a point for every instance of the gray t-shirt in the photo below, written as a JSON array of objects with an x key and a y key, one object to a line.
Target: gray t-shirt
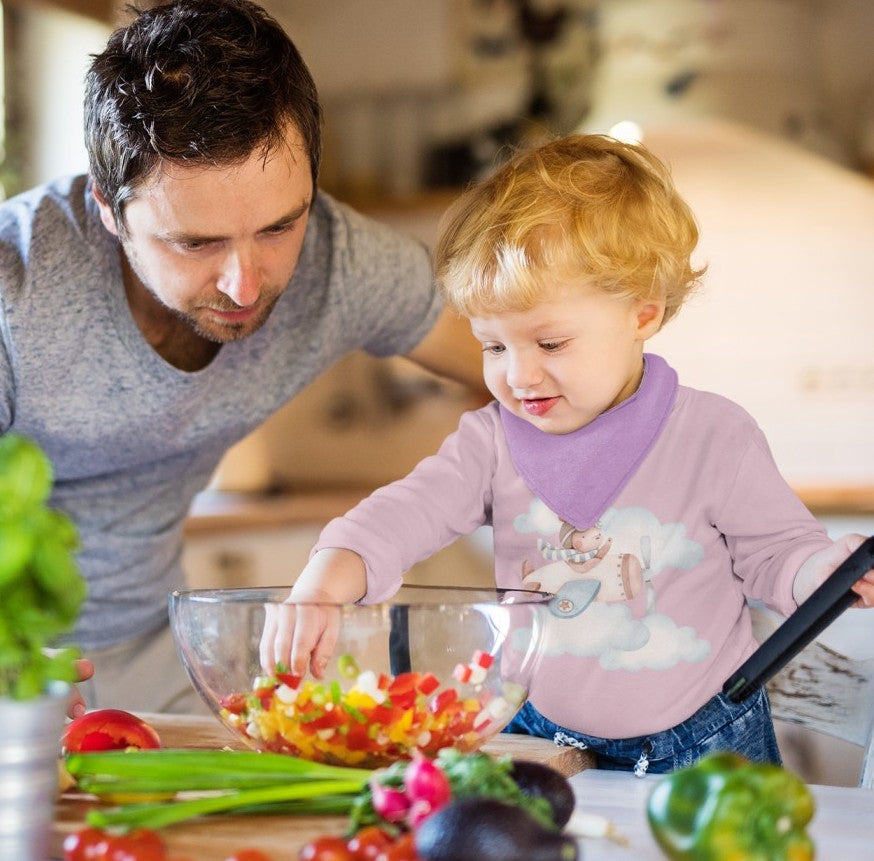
[{"x": 132, "y": 438}]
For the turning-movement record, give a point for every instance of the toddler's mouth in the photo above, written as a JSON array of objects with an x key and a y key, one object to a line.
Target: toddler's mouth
[{"x": 538, "y": 406}]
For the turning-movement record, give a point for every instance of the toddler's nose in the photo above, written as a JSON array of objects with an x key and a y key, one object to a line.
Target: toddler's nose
[{"x": 523, "y": 372}]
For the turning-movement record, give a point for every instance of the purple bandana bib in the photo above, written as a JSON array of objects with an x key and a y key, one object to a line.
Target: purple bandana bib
[{"x": 579, "y": 474}]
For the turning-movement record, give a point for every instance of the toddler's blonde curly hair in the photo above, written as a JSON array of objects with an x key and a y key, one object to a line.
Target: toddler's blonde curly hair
[{"x": 580, "y": 206}]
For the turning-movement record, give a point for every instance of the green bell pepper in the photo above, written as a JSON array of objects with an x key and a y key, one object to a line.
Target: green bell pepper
[{"x": 726, "y": 808}]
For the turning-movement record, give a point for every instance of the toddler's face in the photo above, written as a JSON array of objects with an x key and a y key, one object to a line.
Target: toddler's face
[{"x": 568, "y": 359}]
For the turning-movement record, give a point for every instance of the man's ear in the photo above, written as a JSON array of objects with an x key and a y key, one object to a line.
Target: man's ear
[
  {"x": 650, "y": 314},
  {"x": 106, "y": 214}
]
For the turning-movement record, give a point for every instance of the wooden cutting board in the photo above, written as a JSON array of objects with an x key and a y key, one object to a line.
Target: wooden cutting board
[{"x": 215, "y": 838}]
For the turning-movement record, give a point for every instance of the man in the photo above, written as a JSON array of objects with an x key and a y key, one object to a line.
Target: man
[{"x": 155, "y": 312}]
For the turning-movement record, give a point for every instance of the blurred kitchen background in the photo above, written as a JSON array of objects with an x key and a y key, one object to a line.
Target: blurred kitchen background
[{"x": 764, "y": 110}]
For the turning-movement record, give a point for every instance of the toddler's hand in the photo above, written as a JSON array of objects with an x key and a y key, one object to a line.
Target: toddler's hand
[
  {"x": 298, "y": 636},
  {"x": 821, "y": 564}
]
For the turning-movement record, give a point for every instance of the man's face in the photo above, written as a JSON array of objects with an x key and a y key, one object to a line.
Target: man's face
[{"x": 217, "y": 245}]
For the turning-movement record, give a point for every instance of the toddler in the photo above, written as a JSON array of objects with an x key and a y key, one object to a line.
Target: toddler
[{"x": 653, "y": 511}]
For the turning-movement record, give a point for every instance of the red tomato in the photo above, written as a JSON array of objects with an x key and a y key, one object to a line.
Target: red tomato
[
  {"x": 92, "y": 844},
  {"x": 367, "y": 843},
  {"x": 403, "y": 849},
  {"x": 108, "y": 729},
  {"x": 248, "y": 855},
  {"x": 326, "y": 849},
  {"x": 137, "y": 845},
  {"x": 88, "y": 844}
]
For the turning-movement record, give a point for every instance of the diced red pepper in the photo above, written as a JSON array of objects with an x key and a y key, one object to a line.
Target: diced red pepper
[
  {"x": 328, "y": 720},
  {"x": 358, "y": 738},
  {"x": 235, "y": 703},
  {"x": 402, "y": 691},
  {"x": 428, "y": 684},
  {"x": 289, "y": 679},
  {"x": 482, "y": 659},
  {"x": 462, "y": 672},
  {"x": 442, "y": 701}
]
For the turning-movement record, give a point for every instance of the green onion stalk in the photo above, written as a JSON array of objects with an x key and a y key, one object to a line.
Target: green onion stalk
[{"x": 210, "y": 781}]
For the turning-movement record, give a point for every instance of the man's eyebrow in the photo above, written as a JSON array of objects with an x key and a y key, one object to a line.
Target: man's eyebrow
[{"x": 283, "y": 221}]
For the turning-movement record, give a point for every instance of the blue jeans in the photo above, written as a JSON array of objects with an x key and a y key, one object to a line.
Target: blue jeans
[{"x": 745, "y": 727}]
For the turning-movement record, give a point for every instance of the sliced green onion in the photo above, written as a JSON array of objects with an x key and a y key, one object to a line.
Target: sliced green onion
[{"x": 348, "y": 666}]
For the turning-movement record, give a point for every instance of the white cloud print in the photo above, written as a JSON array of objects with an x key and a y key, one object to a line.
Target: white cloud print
[
  {"x": 599, "y": 629},
  {"x": 608, "y": 632},
  {"x": 539, "y": 518},
  {"x": 669, "y": 546},
  {"x": 667, "y": 645}
]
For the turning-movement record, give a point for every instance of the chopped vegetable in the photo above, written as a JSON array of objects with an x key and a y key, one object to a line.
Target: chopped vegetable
[
  {"x": 726, "y": 807},
  {"x": 376, "y": 720}
]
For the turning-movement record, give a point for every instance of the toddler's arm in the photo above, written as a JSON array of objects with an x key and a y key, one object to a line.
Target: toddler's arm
[
  {"x": 822, "y": 563},
  {"x": 300, "y": 634}
]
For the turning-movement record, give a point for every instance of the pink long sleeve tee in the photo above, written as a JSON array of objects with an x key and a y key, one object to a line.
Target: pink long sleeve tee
[{"x": 706, "y": 522}]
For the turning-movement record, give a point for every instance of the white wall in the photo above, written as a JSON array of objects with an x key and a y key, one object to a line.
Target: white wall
[
  {"x": 782, "y": 323},
  {"x": 54, "y": 58}
]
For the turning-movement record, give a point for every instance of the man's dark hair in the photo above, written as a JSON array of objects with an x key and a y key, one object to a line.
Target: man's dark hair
[{"x": 194, "y": 81}]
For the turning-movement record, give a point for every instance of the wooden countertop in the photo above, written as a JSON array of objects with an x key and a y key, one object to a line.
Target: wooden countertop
[{"x": 214, "y": 838}]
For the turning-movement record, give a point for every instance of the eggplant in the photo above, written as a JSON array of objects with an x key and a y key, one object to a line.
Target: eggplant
[
  {"x": 485, "y": 829},
  {"x": 537, "y": 780}
]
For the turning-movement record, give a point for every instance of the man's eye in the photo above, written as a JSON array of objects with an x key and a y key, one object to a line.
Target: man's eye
[
  {"x": 278, "y": 229},
  {"x": 194, "y": 244}
]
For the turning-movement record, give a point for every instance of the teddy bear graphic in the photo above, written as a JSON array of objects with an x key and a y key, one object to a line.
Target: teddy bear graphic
[{"x": 609, "y": 576}]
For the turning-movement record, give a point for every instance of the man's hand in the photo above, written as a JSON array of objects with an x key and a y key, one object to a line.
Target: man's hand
[{"x": 75, "y": 703}]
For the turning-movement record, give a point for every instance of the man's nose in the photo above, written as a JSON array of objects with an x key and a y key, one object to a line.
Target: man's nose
[{"x": 240, "y": 279}]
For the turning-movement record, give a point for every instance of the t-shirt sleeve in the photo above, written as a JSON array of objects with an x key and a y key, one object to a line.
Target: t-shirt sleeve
[
  {"x": 768, "y": 529},
  {"x": 10, "y": 276},
  {"x": 386, "y": 285},
  {"x": 445, "y": 496}
]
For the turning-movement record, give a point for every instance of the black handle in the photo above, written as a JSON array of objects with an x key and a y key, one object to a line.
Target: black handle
[{"x": 811, "y": 618}]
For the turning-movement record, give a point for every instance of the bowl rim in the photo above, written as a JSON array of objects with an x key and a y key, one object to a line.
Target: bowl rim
[{"x": 279, "y": 595}]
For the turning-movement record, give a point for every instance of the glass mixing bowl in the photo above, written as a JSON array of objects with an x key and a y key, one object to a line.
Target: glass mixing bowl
[{"x": 436, "y": 667}]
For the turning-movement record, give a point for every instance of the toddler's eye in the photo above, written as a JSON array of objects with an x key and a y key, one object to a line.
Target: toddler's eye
[
  {"x": 551, "y": 346},
  {"x": 494, "y": 349}
]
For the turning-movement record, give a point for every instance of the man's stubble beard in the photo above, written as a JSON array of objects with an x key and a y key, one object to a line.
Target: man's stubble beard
[{"x": 227, "y": 333}]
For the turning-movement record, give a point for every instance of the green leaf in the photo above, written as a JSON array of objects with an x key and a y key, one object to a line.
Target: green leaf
[
  {"x": 25, "y": 474},
  {"x": 16, "y": 547},
  {"x": 41, "y": 587}
]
